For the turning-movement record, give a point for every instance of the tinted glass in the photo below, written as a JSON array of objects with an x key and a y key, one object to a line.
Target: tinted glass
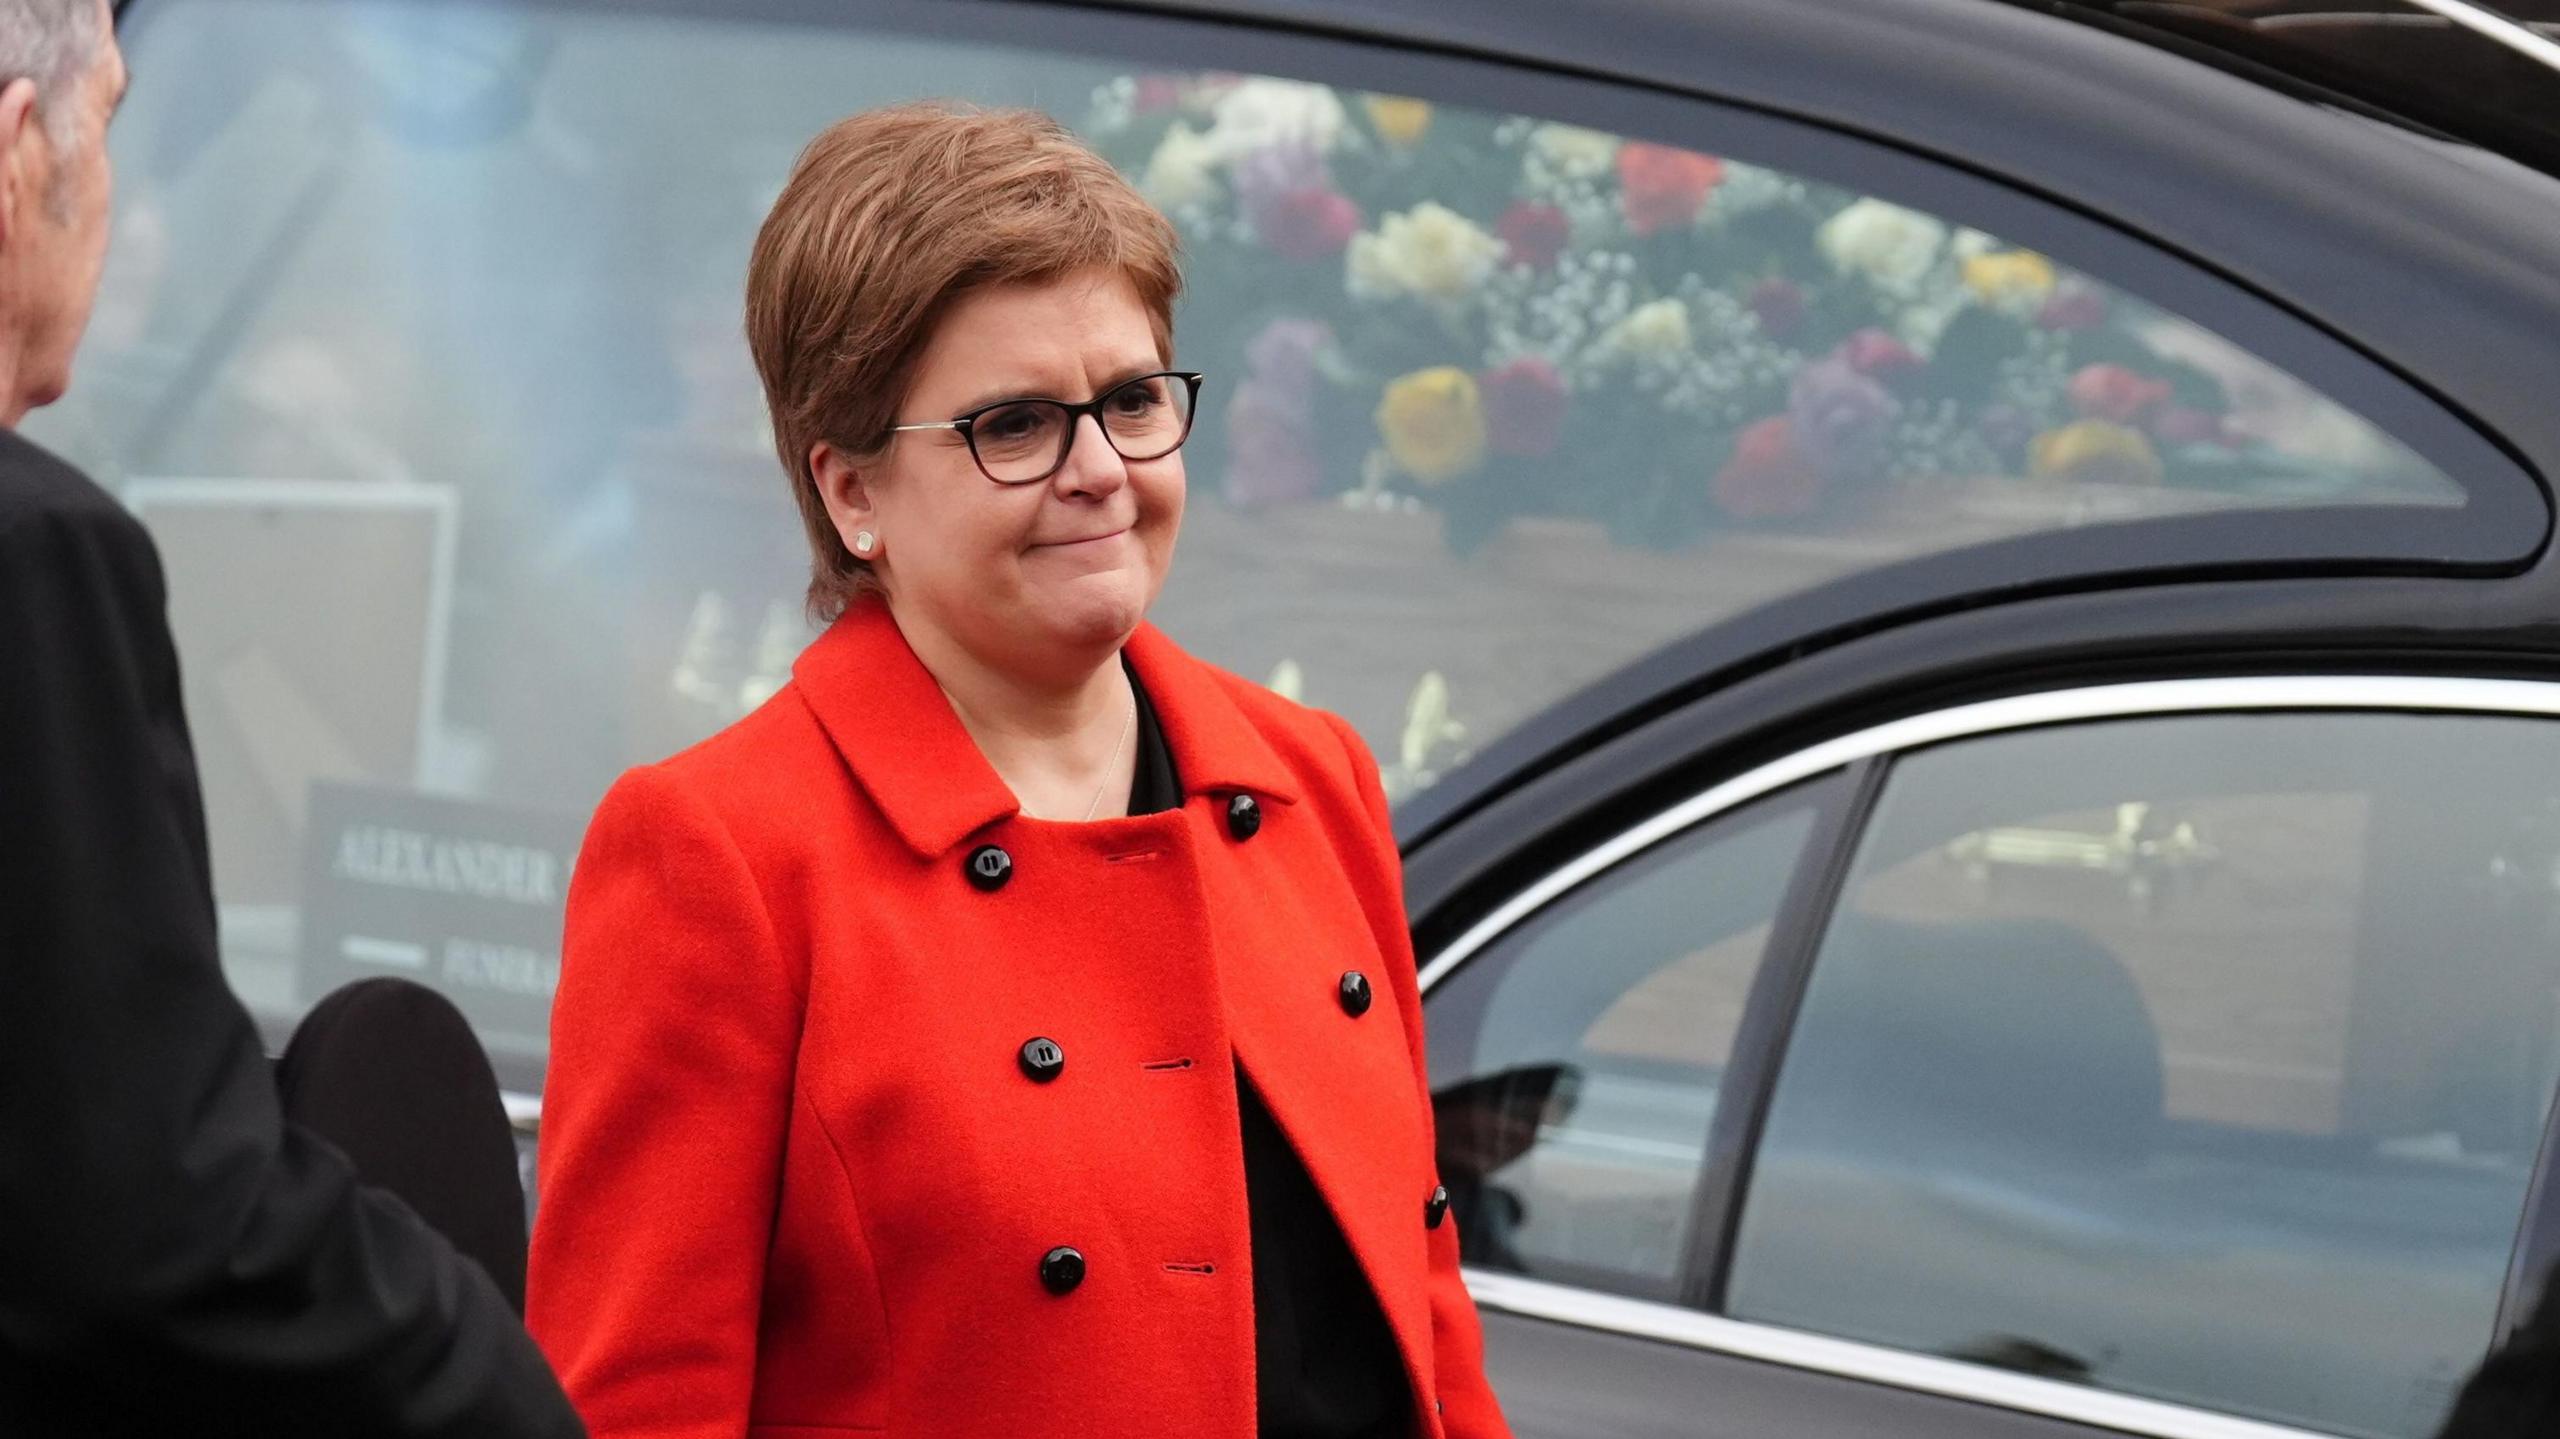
[
  {"x": 1580, "y": 1058},
  {"x": 2199, "y": 1058},
  {"x": 420, "y": 351}
]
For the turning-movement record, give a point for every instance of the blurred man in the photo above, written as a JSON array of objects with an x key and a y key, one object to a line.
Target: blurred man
[{"x": 174, "y": 1258}]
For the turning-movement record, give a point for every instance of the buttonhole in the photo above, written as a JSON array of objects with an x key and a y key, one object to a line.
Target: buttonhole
[
  {"x": 1136, "y": 856},
  {"x": 1198, "y": 1269},
  {"x": 1166, "y": 1066}
]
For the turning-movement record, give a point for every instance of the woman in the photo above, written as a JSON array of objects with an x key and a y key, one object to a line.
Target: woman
[{"x": 1011, "y": 1028}]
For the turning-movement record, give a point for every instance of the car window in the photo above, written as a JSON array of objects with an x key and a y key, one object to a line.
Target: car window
[
  {"x": 2200, "y": 1058},
  {"x": 1578, "y": 1061},
  {"x": 420, "y": 352}
]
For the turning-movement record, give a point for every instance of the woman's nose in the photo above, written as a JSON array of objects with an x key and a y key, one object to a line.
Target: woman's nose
[{"x": 1093, "y": 467}]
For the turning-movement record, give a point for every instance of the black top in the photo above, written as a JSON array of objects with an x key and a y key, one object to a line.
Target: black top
[
  {"x": 1325, "y": 1363},
  {"x": 160, "y": 1216}
]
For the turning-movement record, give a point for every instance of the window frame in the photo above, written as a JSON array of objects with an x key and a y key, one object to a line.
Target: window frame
[
  {"x": 1838, "y": 802},
  {"x": 1869, "y": 754}
]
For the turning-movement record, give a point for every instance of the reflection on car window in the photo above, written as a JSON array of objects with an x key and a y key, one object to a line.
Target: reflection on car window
[
  {"x": 420, "y": 351},
  {"x": 1578, "y": 1061},
  {"x": 2201, "y": 1058}
]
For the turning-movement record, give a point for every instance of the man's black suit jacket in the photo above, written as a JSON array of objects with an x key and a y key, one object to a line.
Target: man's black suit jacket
[{"x": 174, "y": 1258}]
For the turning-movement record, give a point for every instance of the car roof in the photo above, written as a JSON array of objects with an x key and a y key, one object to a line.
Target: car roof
[
  {"x": 2440, "y": 259},
  {"x": 2488, "y": 74}
]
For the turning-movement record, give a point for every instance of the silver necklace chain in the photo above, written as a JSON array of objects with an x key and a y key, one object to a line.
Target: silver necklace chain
[{"x": 1112, "y": 765}]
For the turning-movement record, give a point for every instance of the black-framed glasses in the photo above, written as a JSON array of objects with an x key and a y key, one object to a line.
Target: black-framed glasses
[{"x": 1022, "y": 442}]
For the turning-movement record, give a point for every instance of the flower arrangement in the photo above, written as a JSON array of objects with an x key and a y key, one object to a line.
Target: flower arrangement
[{"x": 1494, "y": 316}]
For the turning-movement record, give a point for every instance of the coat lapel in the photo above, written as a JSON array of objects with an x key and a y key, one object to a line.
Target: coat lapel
[{"x": 909, "y": 752}]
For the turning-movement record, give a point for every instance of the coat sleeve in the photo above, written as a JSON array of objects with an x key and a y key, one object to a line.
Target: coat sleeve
[
  {"x": 674, "y": 1036},
  {"x": 160, "y": 1217},
  {"x": 1468, "y": 1409}
]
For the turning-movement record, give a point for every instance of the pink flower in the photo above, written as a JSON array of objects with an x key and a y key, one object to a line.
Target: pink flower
[
  {"x": 1878, "y": 356},
  {"x": 1534, "y": 234},
  {"x": 1767, "y": 478},
  {"x": 1780, "y": 304},
  {"x": 2116, "y": 394},
  {"x": 1660, "y": 187},
  {"x": 1158, "y": 93},
  {"x": 1524, "y": 407},
  {"x": 2074, "y": 307},
  {"x": 2186, "y": 425}
]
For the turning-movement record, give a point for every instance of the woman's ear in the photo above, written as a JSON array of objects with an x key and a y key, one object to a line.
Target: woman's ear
[{"x": 845, "y": 487}]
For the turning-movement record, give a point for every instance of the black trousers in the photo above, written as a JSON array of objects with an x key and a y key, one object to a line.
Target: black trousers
[{"x": 390, "y": 1073}]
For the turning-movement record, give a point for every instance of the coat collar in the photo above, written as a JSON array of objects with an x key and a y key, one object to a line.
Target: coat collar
[{"x": 907, "y": 749}]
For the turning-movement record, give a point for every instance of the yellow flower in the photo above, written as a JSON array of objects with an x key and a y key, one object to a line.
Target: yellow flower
[
  {"x": 1400, "y": 119},
  {"x": 1433, "y": 422},
  {"x": 2096, "y": 452},
  {"x": 2017, "y": 281}
]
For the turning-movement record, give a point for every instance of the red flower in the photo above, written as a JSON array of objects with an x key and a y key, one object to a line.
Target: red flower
[
  {"x": 1524, "y": 408},
  {"x": 1660, "y": 187},
  {"x": 2116, "y": 394},
  {"x": 1780, "y": 304},
  {"x": 1307, "y": 223},
  {"x": 1767, "y": 478},
  {"x": 1879, "y": 356},
  {"x": 1534, "y": 234}
]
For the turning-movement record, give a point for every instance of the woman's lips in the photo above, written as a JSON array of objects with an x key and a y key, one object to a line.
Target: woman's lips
[{"x": 1082, "y": 543}]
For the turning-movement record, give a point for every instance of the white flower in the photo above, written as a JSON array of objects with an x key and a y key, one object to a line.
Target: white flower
[
  {"x": 1367, "y": 272},
  {"x": 1261, "y": 113},
  {"x": 1971, "y": 243},
  {"x": 1183, "y": 173},
  {"x": 1573, "y": 152},
  {"x": 1894, "y": 247},
  {"x": 1745, "y": 189},
  {"x": 1430, "y": 251},
  {"x": 1658, "y": 329}
]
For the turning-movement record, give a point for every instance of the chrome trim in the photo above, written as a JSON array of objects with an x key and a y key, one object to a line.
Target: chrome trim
[
  {"x": 2288, "y": 692},
  {"x": 2515, "y": 35},
  {"x": 524, "y": 1111},
  {"x": 1848, "y": 1359}
]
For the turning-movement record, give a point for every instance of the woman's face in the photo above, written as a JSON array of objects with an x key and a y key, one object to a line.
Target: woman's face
[{"x": 1040, "y": 580}]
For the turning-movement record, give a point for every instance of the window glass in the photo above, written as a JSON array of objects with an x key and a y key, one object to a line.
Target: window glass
[
  {"x": 1579, "y": 1059},
  {"x": 420, "y": 351},
  {"x": 2203, "y": 1058}
]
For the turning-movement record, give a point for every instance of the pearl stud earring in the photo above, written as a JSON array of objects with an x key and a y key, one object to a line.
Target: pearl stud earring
[{"x": 864, "y": 543}]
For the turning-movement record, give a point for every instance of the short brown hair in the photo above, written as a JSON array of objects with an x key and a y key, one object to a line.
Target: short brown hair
[{"x": 888, "y": 218}]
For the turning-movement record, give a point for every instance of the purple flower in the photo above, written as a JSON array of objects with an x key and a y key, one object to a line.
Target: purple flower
[
  {"x": 1267, "y": 178},
  {"x": 1840, "y": 420},
  {"x": 1271, "y": 449},
  {"x": 1271, "y": 456},
  {"x": 1283, "y": 359}
]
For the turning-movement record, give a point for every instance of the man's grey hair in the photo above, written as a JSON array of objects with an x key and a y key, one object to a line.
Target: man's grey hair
[{"x": 52, "y": 42}]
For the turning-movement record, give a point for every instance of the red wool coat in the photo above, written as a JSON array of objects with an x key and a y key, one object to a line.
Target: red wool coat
[{"x": 799, "y": 1179}]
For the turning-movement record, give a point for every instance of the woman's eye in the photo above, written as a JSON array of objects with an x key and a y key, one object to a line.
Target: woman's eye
[{"x": 1009, "y": 424}]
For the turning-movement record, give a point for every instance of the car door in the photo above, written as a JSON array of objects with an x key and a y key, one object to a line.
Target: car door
[{"x": 2170, "y": 1058}]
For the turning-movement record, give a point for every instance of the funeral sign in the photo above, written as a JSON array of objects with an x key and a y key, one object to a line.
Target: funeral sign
[{"x": 460, "y": 896}]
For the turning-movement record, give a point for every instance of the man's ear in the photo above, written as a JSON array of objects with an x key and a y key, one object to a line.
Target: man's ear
[
  {"x": 845, "y": 485},
  {"x": 19, "y": 139}
]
